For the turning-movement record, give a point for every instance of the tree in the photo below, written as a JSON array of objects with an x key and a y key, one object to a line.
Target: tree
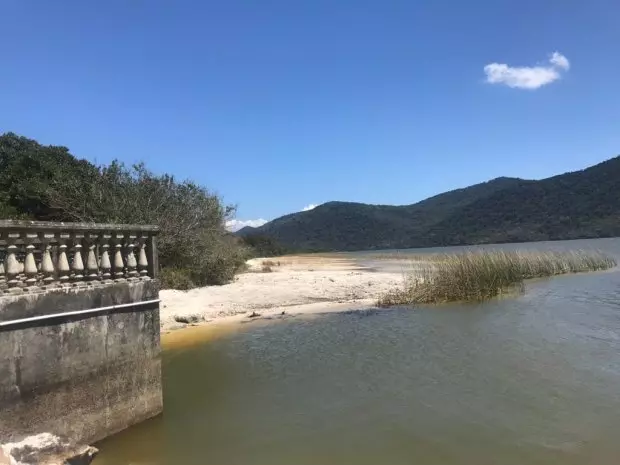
[
  {"x": 27, "y": 170},
  {"x": 48, "y": 183}
]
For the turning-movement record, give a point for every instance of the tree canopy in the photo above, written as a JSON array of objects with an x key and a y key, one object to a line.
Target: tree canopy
[{"x": 48, "y": 183}]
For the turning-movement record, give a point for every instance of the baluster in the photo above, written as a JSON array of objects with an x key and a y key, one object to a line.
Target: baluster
[
  {"x": 2, "y": 269},
  {"x": 11, "y": 264},
  {"x": 106, "y": 266},
  {"x": 92, "y": 266},
  {"x": 119, "y": 272},
  {"x": 38, "y": 257},
  {"x": 30, "y": 266},
  {"x": 153, "y": 259},
  {"x": 143, "y": 263},
  {"x": 21, "y": 276},
  {"x": 47, "y": 265},
  {"x": 39, "y": 263},
  {"x": 131, "y": 257},
  {"x": 63, "y": 263},
  {"x": 77, "y": 266}
]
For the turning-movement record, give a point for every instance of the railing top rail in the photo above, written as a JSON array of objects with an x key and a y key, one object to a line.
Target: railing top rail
[{"x": 12, "y": 225}]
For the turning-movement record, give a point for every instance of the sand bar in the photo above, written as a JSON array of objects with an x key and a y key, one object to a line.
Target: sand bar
[{"x": 296, "y": 284}]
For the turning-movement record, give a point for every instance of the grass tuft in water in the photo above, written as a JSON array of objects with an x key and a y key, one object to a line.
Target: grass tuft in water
[{"x": 477, "y": 276}]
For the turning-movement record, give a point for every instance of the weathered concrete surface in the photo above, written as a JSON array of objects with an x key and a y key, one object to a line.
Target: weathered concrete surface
[
  {"x": 82, "y": 377},
  {"x": 27, "y": 305}
]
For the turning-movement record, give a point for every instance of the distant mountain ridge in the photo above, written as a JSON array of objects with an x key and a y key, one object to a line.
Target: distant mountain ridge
[{"x": 581, "y": 204}]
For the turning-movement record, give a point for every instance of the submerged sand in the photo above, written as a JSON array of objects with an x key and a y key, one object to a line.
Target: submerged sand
[{"x": 296, "y": 284}]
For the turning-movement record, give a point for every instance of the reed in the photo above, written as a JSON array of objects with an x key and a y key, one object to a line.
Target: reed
[{"x": 476, "y": 276}]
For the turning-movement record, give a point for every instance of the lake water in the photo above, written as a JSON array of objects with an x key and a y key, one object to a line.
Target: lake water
[{"x": 532, "y": 379}]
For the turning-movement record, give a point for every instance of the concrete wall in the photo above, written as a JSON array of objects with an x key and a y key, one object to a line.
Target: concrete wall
[{"x": 83, "y": 377}]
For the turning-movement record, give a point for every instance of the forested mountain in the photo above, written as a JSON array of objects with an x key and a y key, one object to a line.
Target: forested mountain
[
  {"x": 582, "y": 204},
  {"x": 50, "y": 183}
]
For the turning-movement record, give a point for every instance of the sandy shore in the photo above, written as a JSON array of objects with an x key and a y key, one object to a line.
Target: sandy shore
[{"x": 299, "y": 284}]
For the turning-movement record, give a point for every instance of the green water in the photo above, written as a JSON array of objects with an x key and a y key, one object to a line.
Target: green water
[{"x": 533, "y": 379}]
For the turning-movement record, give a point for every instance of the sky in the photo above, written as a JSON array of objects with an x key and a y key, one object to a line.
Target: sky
[{"x": 281, "y": 105}]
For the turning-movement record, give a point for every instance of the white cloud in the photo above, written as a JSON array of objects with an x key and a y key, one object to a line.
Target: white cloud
[
  {"x": 312, "y": 206},
  {"x": 559, "y": 60},
  {"x": 236, "y": 225},
  {"x": 527, "y": 77},
  {"x": 520, "y": 78}
]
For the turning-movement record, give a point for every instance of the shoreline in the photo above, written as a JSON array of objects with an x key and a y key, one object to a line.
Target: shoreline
[
  {"x": 296, "y": 285},
  {"x": 273, "y": 288}
]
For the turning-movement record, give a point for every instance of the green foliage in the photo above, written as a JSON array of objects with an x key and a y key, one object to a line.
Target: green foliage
[
  {"x": 264, "y": 246},
  {"x": 27, "y": 169},
  {"x": 175, "y": 278},
  {"x": 222, "y": 258},
  {"x": 48, "y": 183},
  {"x": 583, "y": 204},
  {"x": 7, "y": 210},
  {"x": 479, "y": 276},
  {"x": 192, "y": 220}
]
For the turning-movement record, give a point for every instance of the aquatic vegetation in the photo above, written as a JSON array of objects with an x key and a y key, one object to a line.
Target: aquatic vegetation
[{"x": 475, "y": 276}]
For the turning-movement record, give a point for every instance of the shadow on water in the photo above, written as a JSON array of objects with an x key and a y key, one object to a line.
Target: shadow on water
[{"x": 526, "y": 380}]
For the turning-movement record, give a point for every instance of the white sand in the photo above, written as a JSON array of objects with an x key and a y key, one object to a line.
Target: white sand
[{"x": 303, "y": 284}]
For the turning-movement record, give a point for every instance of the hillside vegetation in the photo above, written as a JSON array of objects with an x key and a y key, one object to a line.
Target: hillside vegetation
[
  {"x": 49, "y": 183},
  {"x": 582, "y": 204}
]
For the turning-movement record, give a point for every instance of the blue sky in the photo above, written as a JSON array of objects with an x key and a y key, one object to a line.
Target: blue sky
[{"x": 278, "y": 104}]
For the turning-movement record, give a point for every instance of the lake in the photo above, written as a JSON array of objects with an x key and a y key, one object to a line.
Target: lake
[{"x": 530, "y": 379}]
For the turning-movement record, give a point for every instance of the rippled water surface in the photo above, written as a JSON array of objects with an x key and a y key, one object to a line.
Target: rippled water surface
[{"x": 533, "y": 379}]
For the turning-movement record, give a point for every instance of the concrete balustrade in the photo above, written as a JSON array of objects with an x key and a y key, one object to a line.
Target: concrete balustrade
[
  {"x": 38, "y": 256},
  {"x": 79, "y": 329}
]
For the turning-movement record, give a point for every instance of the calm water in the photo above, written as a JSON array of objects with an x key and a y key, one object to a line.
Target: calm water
[{"x": 533, "y": 379}]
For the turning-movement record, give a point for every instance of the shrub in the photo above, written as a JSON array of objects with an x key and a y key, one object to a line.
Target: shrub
[
  {"x": 218, "y": 260},
  {"x": 192, "y": 220},
  {"x": 264, "y": 246},
  {"x": 48, "y": 183},
  {"x": 176, "y": 278},
  {"x": 222, "y": 260}
]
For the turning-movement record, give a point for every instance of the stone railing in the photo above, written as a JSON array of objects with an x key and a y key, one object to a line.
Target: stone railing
[{"x": 38, "y": 256}]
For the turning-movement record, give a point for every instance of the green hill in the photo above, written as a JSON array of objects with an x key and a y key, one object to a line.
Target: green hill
[{"x": 582, "y": 204}]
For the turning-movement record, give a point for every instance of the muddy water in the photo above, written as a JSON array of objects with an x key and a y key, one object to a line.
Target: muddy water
[{"x": 533, "y": 379}]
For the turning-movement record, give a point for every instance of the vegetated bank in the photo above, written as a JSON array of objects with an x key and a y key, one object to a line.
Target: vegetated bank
[
  {"x": 48, "y": 183},
  {"x": 261, "y": 246},
  {"x": 477, "y": 276}
]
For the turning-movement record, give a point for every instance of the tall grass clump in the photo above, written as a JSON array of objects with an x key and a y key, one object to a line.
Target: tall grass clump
[{"x": 476, "y": 276}]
